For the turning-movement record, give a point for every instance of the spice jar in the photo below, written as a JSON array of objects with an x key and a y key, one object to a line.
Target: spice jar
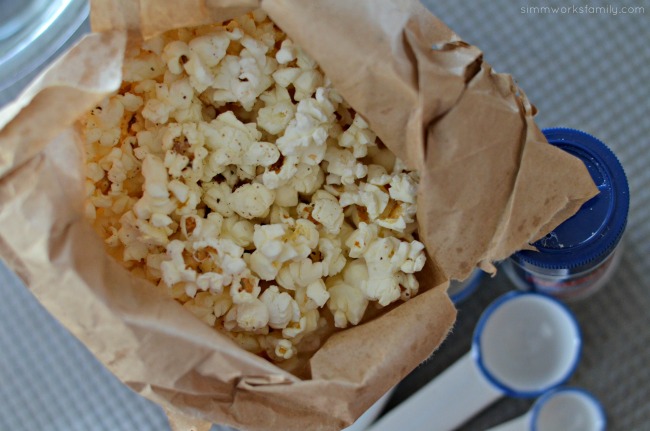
[{"x": 580, "y": 255}]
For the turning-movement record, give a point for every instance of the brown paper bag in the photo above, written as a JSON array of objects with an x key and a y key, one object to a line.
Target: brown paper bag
[{"x": 490, "y": 185}]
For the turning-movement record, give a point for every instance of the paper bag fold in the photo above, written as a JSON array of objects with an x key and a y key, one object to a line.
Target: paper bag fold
[{"x": 490, "y": 184}]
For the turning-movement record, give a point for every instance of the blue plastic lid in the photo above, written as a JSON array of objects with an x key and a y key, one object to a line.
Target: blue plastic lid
[
  {"x": 461, "y": 290},
  {"x": 594, "y": 231}
]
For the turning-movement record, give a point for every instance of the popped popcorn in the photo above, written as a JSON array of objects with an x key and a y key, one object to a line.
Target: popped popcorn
[
  {"x": 386, "y": 258},
  {"x": 251, "y": 315},
  {"x": 361, "y": 238},
  {"x": 317, "y": 292},
  {"x": 347, "y": 301},
  {"x": 175, "y": 270},
  {"x": 278, "y": 111},
  {"x": 372, "y": 198},
  {"x": 306, "y": 134},
  {"x": 358, "y": 137},
  {"x": 327, "y": 211},
  {"x": 343, "y": 166},
  {"x": 230, "y": 173},
  {"x": 299, "y": 274},
  {"x": 251, "y": 200},
  {"x": 282, "y": 308},
  {"x": 332, "y": 256}
]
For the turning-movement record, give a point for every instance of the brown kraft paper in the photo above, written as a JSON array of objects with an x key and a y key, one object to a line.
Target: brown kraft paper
[{"x": 490, "y": 186}]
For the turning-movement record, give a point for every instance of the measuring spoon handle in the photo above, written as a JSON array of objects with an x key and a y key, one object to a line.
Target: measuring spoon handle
[
  {"x": 522, "y": 423},
  {"x": 444, "y": 403}
]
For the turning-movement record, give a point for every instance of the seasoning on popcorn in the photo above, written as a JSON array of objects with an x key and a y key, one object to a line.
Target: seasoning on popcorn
[{"x": 230, "y": 173}]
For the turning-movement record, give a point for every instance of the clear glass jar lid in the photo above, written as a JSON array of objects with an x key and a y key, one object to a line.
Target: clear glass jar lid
[{"x": 31, "y": 32}]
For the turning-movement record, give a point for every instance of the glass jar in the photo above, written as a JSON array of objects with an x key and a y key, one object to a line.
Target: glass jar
[
  {"x": 32, "y": 32},
  {"x": 579, "y": 256}
]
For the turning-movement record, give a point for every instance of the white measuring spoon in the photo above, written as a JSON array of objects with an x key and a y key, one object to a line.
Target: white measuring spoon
[
  {"x": 369, "y": 416},
  {"x": 566, "y": 409},
  {"x": 524, "y": 345}
]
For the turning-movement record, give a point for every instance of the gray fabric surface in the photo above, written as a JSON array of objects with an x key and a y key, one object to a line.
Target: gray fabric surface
[{"x": 588, "y": 71}]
